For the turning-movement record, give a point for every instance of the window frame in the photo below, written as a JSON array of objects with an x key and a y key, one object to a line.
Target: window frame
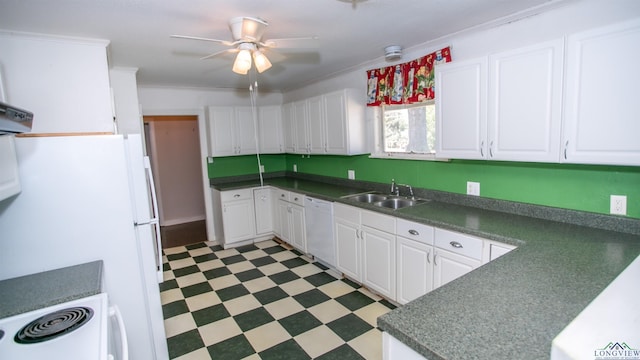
[{"x": 379, "y": 137}]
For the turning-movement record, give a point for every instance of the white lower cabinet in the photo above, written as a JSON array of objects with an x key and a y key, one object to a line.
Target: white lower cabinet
[
  {"x": 290, "y": 227},
  {"x": 455, "y": 255},
  {"x": 238, "y": 218},
  {"x": 379, "y": 253},
  {"x": 347, "y": 232},
  {"x": 263, "y": 209}
]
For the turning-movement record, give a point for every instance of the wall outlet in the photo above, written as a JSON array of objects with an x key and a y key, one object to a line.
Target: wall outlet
[
  {"x": 210, "y": 159},
  {"x": 473, "y": 188},
  {"x": 295, "y": 167},
  {"x": 351, "y": 174},
  {"x": 618, "y": 205},
  {"x": 261, "y": 168}
]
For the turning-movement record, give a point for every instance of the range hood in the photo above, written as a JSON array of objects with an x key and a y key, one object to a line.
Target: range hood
[{"x": 14, "y": 120}]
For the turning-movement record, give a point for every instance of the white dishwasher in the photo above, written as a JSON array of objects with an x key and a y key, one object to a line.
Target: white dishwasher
[{"x": 319, "y": 227}]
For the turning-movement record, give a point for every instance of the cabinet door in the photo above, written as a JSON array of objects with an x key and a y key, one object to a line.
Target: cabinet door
[
  {"x": 336, "y": 123},
  {"x": 414, "y": 269},
  {"x": 270, "y": 129},
  {"x": 238, "y": 220},
  {"x": 263, "y": 210},
  {"x": 9, "y": 176},
  {"x": 461, "y": 114},
  {"x": 317, "y": 128},
  {"x": 525, "y": 103},
  {"x": 221, "y": 133},
  {"x": 301, "y": 127},
  {"x": 448, "y": 266},
  {"x": 601, "y": 109},
  {"x": 245, "y": 129},
  {"x": 283, "y": 220},
  {"x": 298, "y": 233},
  {"x": 288, "y": 128},
  {"x": 347, "y": 236},
  {"x": 379, "y": 261}
]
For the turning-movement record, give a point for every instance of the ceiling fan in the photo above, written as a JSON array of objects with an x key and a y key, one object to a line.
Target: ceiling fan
[{"x": 248, "y": 43}]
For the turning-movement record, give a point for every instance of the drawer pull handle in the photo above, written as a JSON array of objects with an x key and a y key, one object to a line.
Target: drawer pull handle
[
  {"x": 236, "y": 195},
  {"x": 456, "y": 244},
  {"x": 295, "y": 199},
  {"x": 414, "y": 232},
  {"x": 281, "y": 195}
]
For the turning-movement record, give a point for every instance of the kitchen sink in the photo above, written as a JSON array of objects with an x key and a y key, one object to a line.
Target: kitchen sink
[
  {"x": 396, "y": 203},
  {"x": 386, "y": 201}
]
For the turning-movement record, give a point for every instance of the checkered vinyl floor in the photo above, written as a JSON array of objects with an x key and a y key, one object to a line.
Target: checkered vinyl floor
[{"x": 264, "y": 301}]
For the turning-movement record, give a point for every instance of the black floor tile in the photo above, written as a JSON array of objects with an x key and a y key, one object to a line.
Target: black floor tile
[
  {"x": 268, "y": 296},
  {"x": 349, "y": 327},
  {"x": 283, "y": 277},
  {"x": 195, "y": 246},
  {"x": 247, "y": 248},
  {"x": 321, "y": 266},
  {"x": 249, "y": 275},
  {"x": 203, "y": 258},
  {"x": 295, "y": 262},
  {"x": 274, "y": 249},
  {"x": 311, "y": 298},
  {"x": 354, "y": 300},
  {"x": 232, "y": 292},
  {"x": 184, "y": 343},
  {"x": 196, "y": 289},
  {"x": 210, "y": 314},
  {"x": 233, "y": 259},
  {"x": 216, "y": 248},
  {"x": 386, "y": 303},
  {"x": 235, "y": 348},
  {"x": 175, "y": 308},
  {"x": 265, "y": 260},
  {"x": 344, "y": 352},
  {"x": 288, "y": 350},
  {"x": 353, "y": 284},
  {"x": 179, "y": 256},
  {"x": 299, "y": 322},
  {"x": 253, "y": 318},
  {"x": 295, "y": 251},
  {"x": 188, "y": 270},
  {"x": 215, "y": 273},
  {"x": 168, "y": 284},
  {"x": 166, "y": 267},
  {"x": 320, "y": 279}
]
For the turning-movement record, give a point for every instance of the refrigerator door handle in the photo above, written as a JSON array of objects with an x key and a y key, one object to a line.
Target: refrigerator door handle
[{"x": 155, "y": 220}]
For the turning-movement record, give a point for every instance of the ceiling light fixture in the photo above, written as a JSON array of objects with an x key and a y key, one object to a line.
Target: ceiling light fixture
[
  {"x": 261, "y": 61},
  {"x": 243, "y": 62},
  {"x": 393, "y": 52}
]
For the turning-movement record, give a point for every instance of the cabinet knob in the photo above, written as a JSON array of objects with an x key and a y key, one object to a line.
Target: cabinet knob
[
  {"x": 456, "y": 244},
  {"x": 414, "y": 232}
]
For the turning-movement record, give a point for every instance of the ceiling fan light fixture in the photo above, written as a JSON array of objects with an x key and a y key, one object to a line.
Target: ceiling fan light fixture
[
  {"x": 261, "y": 61},
  {"x": 242, "y": 64}
]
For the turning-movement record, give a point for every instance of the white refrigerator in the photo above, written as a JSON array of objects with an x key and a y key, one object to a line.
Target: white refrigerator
[{"x": 87, "y": 198}]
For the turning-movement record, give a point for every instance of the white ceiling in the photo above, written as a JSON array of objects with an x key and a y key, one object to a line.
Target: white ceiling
[{"x": 349, "y": 34}]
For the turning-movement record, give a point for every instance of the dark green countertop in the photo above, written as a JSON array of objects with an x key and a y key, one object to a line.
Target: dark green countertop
[
  {"x": 512, "y": 307},
  {"x": 36, "y": 291}
]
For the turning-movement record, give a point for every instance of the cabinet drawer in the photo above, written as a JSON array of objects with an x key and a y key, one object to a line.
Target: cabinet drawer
[
  {"x": 346, "y": 212},
  {"x": 459, "y": 243},
  {"x": 415, "y": 231},
  {"x": 379, "y": 221},
  {"x": 240, "y": 194},
  {"x": 282, "y": 194},
  {"x": 296, "y": 198}
]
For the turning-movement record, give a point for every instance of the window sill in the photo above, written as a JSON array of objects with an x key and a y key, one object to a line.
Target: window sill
[{"x": 423, "y": 157}]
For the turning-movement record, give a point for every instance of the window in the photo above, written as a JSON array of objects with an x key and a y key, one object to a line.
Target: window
[{"x": 408, "y": 129}]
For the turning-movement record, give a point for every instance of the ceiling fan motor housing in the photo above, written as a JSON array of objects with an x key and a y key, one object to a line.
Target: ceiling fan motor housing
[{"x": 247, "y": 28}]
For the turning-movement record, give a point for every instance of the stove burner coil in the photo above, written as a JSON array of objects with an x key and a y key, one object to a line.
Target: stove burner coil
[{"x": 53, "y": 325}]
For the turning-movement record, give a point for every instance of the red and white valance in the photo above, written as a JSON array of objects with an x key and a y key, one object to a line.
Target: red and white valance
[{"x": 406, "y": 83}]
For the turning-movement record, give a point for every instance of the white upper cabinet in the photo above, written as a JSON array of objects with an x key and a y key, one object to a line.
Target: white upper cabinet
[
  {"x": 461, "y": 109},
  {"x": 270, "y": 129},
  {"x": 525, "y": 103},
  {"x": 9, "y": 176},
  {"x": 601, "y": 114},
  {"x": 331, "y": 123},
  {"x": 288, "y": 128},
  {"x": 507, "y": 106},
  {"x": 231, "y": 131}
]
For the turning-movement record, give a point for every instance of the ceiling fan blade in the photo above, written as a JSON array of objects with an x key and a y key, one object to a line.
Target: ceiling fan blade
[
  {"x": 223, "y": 42},
  {"x": 273, "y": 55},
  {"x": 218, "y": 53},
  {"x": 309, "y": 42}
]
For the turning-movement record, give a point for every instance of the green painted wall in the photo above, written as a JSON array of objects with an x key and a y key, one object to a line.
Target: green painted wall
[{"x": 577, "y": 187}]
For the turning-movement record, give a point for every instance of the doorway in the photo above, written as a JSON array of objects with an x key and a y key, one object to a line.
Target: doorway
[{"x": 173, "y": 146}]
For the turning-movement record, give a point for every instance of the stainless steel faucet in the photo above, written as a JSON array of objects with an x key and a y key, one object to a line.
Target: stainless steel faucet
[{"x": 394, "y": 188}]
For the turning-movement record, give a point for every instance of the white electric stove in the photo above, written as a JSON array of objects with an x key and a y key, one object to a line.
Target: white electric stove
[{"x": 79, "y": 329}]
